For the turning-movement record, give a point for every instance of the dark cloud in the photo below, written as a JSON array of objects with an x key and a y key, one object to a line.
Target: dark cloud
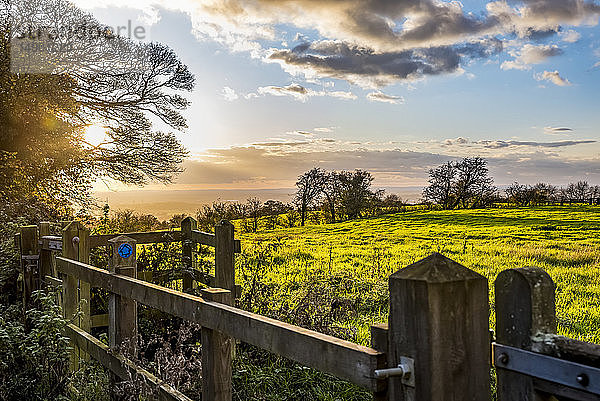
[
  {"x": 384, "y": 41},
  {"x": 345, "y": 61}
]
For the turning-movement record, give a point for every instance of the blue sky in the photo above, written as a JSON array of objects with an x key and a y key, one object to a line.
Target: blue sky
[{"x": 285, "y": 86}]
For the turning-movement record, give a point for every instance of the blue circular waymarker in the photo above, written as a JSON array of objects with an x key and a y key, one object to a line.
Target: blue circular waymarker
[{"x": 125, "y": 251}]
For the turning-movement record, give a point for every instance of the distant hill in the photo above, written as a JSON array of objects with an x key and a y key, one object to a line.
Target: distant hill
[{"x": 167, "y": 202}]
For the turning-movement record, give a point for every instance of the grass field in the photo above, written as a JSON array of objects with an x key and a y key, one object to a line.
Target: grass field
[{"x": 333, "y": 277}]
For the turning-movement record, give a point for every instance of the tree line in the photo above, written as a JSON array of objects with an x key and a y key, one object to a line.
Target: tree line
[{"x": 467, "y": 184}]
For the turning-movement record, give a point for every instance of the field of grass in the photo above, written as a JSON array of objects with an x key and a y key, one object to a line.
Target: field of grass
[{"x": 333, "y": 277}]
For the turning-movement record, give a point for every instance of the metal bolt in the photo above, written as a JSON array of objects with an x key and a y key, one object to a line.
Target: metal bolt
[
  {"x": 583, "y": 379},
  {"x": 503, "y": 359}
]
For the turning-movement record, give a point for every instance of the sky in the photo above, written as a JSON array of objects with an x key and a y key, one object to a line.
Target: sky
[{"x": 393, "y": 87}]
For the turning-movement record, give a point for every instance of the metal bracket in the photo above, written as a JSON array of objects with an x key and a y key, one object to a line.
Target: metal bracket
[
  {"x": 406, "y": 371},
  {"x": 548, "y": 368}
]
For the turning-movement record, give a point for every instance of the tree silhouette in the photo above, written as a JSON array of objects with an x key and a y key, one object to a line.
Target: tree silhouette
[{"x": 48, "y": 99}]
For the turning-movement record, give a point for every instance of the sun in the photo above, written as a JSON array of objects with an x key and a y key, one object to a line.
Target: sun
[{"x": 95, "y": 135}]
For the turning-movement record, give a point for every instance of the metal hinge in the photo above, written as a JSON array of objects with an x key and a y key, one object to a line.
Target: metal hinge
[{"x": 548, "y": 368}]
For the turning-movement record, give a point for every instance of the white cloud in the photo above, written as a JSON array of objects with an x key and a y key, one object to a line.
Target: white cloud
[
  {"x": 302, "y": 93},
  {"x": 379, "y": 96},
  {"x": 570, "y": 36},
  {"x": 530, "y": 54},
  {"x": 553, "y": 77},
  {"x": 229, "y": 94}
]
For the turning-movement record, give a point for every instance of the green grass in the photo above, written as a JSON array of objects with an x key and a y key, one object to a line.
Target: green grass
[
  {"x": 333, "y": 278},
  {"x": 353, "y": 259}
]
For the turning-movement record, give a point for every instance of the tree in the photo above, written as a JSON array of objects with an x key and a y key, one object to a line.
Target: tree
[
  {"x": 100, "y": 79},
  {"x": 465, "y": 183},
  {"x": 440, "y": 189},
  {"x": 332, "y": 190},
  {"x": 254, "y": 206},
  {"x": 355, "y": 194},
  {"x": 272, "y": 209},
  {"x": 310, "y": 187}
]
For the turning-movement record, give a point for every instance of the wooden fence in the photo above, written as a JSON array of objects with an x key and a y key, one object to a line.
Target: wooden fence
[{"x": 436, "y": 345}]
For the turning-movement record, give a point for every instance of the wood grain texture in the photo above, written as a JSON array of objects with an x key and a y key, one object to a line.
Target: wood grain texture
[
  {"x": 122, "y": 310},
  {"x": 28, "y": 245},
  {"x": 439, "y": 318},
  {"x": 141, "y": 238},
  {"x": 45, "y": 263},
  {"x": 187, "y": 250},
  {"x": 524, "y": 307},
  {"x": 379, "y": 341},
  {"x": 216, "y": 355},
  {"x": 224, "y": 258},
  {"x": 342, "y": 358}
]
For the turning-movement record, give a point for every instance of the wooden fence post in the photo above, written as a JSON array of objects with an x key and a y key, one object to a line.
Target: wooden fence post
[
  {"x": 216, "y": 355},
  {"x": 379, "y": 341},
  {"x": 524, "y": 307},
  {"x": 187, "y": 249},
  {"x": 439, "y": 318},
  {"x": 122, "y": 312},
  {"x": 28, "y": 239},
  {"x": 224, "y": 258},
  {"x": 76, "y": 293},
  {"x": 45, "y": 264}
]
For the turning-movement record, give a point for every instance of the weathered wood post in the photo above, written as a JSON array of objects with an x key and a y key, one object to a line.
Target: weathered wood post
[
  {"x": 187, "y": 249},
  {"x": 439, "y": 318},
  {"x": 224, "y": 257},
  {"x": 76, "y": 293},
  {"x": 217, "y": 349},
  {"x": 122, "y": 312},
  {"x": 28, "y": 239},
  {"x": 45, "y": 264},
  {"x": 524, "y": 307},
  {"x": 379, "y": 341}
]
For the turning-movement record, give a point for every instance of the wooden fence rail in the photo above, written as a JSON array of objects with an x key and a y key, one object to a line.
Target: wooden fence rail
[{"x": 435, "y": 346}]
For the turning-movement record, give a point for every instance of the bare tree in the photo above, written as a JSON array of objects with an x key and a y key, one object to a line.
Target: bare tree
[
  {"x": 99, "y": 79},
  {"x": 310, "y": 187},
  {"x": 440, "y": 189},
  {"x": 461, "y": 184},
  {"x": 254, "y": 206}
]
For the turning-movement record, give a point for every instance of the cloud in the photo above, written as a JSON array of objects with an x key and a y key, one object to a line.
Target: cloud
[
  {"x": 281, "y": 144},
  {"x": 323, "y": 129},
  {"x": 505, "y": 144},
  {"x": 377, "y": 42},
  {"x": 365, "y": 67},
  {"x": 457, "y": 141},
  {"x": 301, "y": 93},
  {"x": 570, "y": 36},
  {"x": 379, "y": 96},
  {"x": 557, "y": 130},
  {"x": 553, "y": 77},
  {"x": 279, "y": 166},
  {"x": 229, "y": 94},
  {"x": 531, "y": 54}
]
